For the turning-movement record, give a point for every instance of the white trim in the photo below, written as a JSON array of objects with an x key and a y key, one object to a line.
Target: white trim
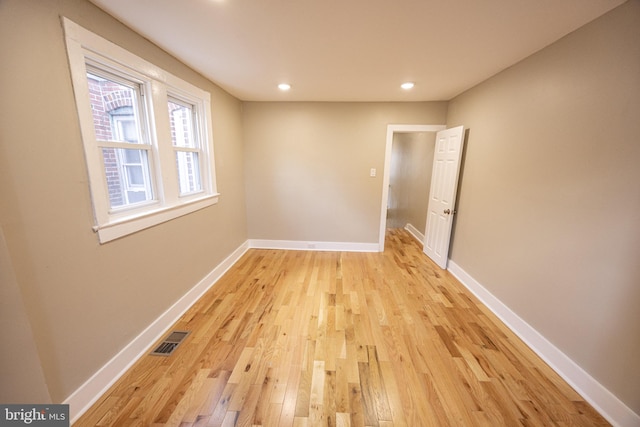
[
  {"x": 84, "y": 47},
  {"x": 614, "y": 410},
  {"x": 89, "y": 392},
  {"x": 299, "y": 245},
  {"x": 415, "y": 233},
  {"x": 124, "y": 226},
  {"x": 391, "y": 129}
]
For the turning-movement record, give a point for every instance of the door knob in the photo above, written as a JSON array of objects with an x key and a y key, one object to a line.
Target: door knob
[{"x": 447, "y": 211}]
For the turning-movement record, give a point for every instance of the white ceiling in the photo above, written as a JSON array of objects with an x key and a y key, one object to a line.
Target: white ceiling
[{"x": 352, "y": 50}]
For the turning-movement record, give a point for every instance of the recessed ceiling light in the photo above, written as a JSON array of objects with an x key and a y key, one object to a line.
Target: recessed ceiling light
[
  {"x": 284, "y": 86},
  {"x": 407, "y": 85}
]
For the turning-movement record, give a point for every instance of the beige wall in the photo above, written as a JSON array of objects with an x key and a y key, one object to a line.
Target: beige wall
[
  {"x": 85, "y": 301},
  {"x": 549, "y": 211},
  {"x": 20, "y": 368},
  {"x": 410, "y": 179},
  {"x": 307, "y": 167}
]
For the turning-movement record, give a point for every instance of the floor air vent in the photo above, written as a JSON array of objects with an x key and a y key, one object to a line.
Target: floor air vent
[{"x": 170, "y": 343}]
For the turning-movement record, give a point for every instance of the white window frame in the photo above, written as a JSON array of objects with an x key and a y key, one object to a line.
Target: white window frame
[
  {"x": 140, "y": 111},
  {"x": 157, "y": 85},
  {"x": 197, "y": 122}
]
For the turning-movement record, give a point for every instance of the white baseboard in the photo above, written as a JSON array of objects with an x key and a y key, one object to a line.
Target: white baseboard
[
  {"x": 88, "y": 393},
  {"x": 414, "y": 232},
  {"x": 612, "y": 408},
  {"x": 597, "y": 395},
  {"x": 300, "y": 245}
]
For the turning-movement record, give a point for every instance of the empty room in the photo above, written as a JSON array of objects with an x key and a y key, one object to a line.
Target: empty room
[{"x": 362, "y": 213}]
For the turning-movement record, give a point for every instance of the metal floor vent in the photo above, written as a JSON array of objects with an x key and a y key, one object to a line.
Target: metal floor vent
[{"x": 170, "y": 343}]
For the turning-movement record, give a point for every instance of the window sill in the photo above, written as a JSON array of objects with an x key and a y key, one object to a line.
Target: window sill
[{"x": 128, "y": 225}]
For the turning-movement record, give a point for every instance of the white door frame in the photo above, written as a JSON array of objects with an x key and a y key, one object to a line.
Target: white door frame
[{"x": 391, "y": 129}]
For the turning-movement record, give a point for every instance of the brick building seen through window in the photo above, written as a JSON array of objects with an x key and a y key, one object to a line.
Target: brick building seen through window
[{"x": 116, "y": 110}]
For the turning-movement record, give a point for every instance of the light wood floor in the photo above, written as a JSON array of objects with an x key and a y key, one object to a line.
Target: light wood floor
[{"x": 296, "y": 338}]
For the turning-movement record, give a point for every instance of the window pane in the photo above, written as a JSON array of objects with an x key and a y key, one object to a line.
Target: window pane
[
  {"x": 135, "y": 175},
  {"x": 188, "y": 171},
  {"x": 114, "y": 106},
  {"x": 128, "y": 176},
  {"x": 132, "y": 156},
  {"x": 124, "y": 128},
  {"x": 182, "y": 126}
]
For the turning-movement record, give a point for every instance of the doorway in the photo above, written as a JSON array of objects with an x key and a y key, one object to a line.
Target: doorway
[
  {"x": 401, "y": 203},
  {"x": 410, "y": 181}
]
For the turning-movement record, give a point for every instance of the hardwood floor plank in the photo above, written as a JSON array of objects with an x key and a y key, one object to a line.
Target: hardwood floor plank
[
  {"x": 367, "y": 397},
  {"x": 393, "y": 395},
  {"x": 303, "y": 338},
  {"x": 304, "y": 385},
  {"x": 316, "y": 395},
  {"x": 355, "y": 403},
  {"x": 329, "y": 402},
  {"x": 341, "y": 396}
]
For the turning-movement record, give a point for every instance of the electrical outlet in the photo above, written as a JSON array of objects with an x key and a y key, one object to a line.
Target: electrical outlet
[{"x": 372, "y": 172}]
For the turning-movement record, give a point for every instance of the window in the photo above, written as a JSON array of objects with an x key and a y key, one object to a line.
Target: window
[
  {"x": 183, "y": 118},
  {"x": 147, "y": 164},
  {"x": 120, "y": 133}
]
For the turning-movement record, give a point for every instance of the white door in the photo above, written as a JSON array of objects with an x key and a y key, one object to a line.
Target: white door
[{"x": 442, "y": 197}]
